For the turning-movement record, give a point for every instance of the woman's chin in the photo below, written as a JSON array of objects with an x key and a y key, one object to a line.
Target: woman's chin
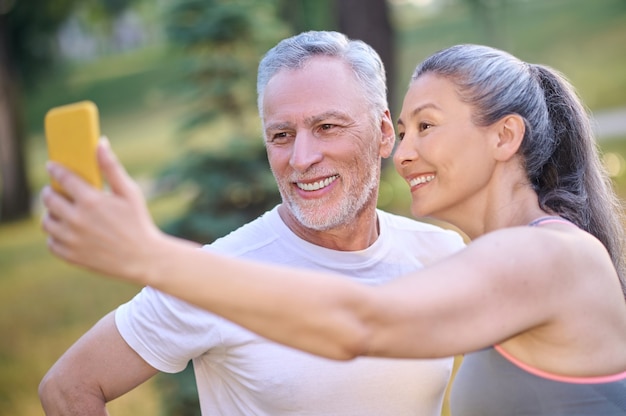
[
  {"x": 426, "y": 214},
  {"x": 420, "y": 212}
]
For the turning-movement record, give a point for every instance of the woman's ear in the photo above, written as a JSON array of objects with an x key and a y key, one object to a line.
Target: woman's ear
[
  {"x": 510, "y": 130},
  {"x": 388, "y": 138}
]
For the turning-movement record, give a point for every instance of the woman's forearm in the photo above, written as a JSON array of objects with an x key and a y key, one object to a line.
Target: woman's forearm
[{"x": 318, "y": 313}]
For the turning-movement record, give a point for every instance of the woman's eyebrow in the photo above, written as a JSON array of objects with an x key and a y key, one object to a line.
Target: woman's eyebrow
[{"x": 419, "y": 109}]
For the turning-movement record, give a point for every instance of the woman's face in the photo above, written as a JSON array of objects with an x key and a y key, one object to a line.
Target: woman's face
[{"x": 442, "y": 154}]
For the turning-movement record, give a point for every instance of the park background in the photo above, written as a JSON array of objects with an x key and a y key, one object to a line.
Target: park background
[{"x": 174, "y": 81}]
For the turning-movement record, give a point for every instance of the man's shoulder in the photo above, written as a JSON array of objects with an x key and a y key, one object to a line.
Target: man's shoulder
[
  {"x": 251, "y": 236},
  {"x": 420, "y": 232},
  {"x": 400, "y": 222},
  {"x": 420, "y": 236}
]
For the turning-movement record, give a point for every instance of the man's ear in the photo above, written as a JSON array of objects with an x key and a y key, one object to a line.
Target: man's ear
[
  {"x": 510, "y": 130},
  {"x": 388, "y": 138}
]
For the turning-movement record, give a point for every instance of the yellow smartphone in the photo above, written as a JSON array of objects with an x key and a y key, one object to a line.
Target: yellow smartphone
[{"x": 72, "y": 134}]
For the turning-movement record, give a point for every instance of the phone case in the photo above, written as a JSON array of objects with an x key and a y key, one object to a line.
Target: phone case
[{"x": 72, "y": 134}]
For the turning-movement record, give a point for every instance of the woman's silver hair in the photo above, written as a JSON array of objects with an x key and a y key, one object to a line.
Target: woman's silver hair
[
  {"x": 294, "y": 52},
  {"x": 559, "y": 151}
]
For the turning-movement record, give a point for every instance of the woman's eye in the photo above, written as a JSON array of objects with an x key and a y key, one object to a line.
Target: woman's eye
[
  {"x": 424, "y": 126},
  {"x": 400, "y": 136}
]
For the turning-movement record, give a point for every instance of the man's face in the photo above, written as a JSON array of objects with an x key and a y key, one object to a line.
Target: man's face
[{"x": 323, "y": 144}]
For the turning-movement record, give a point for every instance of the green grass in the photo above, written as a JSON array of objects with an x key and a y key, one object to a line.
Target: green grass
[{"x": 47, "y": 304}]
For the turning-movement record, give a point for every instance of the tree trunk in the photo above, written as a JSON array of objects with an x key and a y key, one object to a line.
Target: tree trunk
[
  {"x": 368, "y": 20},
  {"x": 14, "y": 190}
]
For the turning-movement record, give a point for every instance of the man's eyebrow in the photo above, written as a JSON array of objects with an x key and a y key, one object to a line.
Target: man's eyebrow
[
  {"x": 333, "y": 114},
  {"x": 309, "y": 121},
  {"x": 417, "y": 110},
  {"x": 281, "y": 125}
]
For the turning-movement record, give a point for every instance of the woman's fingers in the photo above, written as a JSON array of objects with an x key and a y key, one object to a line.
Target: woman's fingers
[
  {"x": 58, "y": 209},
  {"x": 114, "y": 172},
  {"x": 105, "y": 231}
]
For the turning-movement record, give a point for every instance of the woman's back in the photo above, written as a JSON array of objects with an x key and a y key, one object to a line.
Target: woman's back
[
  {"x": 585, "y": 333},
  {"x": 568, "y": 366}
]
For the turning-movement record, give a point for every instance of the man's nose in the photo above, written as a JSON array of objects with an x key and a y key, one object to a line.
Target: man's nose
[{"x": 306, "y": 151}]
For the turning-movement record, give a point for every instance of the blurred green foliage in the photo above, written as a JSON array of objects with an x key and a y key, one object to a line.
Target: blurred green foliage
[
  {"x": 583, "y": 39},
  {"x": 220, "y": 43},
  {"x": 30, "y": 25}
]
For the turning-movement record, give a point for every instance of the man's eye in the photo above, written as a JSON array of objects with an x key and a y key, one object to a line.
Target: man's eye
[
  {"x": 400, "y": 136},
  {"x": 279, "y": 138},
  {"x": 326, "y": 130}
]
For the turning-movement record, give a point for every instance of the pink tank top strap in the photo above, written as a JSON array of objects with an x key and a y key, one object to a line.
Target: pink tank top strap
[{"x": 550, "y": 219}]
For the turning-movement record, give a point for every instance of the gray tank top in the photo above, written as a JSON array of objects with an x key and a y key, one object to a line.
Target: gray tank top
[
  {"x": 492, "y": 383},
  {"x": 488, "y": 384}
]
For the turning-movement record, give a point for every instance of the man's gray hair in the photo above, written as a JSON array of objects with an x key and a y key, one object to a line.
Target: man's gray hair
[{"x": 294, "y": 52}]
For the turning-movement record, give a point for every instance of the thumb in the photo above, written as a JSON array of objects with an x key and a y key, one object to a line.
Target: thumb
[{"x": 119, "y": 181}]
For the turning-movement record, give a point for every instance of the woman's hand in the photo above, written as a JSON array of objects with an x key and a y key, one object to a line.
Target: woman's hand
[{"x": 108, "y": 232}]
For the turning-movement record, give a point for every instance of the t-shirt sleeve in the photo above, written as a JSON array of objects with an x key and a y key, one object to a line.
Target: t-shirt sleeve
[
  {"x": 452, "y": 241},
  {"x": 165, "y": 331}
]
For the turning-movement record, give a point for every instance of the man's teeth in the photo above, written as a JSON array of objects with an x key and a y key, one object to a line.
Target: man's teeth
[
  {"x": 421, "y": 179},
  {"x": 314, "y": 186}
]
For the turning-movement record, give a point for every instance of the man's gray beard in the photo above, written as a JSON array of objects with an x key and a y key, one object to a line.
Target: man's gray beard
[{"x": 316, "y": 215}]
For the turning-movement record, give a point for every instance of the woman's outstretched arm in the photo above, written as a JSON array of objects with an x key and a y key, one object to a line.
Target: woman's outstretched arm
[{"x": 473, "y": 299}]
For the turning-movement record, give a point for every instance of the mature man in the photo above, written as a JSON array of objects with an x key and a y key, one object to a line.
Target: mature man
[{"x": 322, "y": 101}]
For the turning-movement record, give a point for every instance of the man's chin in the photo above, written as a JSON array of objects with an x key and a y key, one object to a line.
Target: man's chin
[
  {"x": 317, "y": 220},
  {"x": 317, "y": 225}
]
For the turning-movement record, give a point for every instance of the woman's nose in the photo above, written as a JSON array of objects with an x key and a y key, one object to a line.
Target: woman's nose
[{"x": 405, "y": 152}]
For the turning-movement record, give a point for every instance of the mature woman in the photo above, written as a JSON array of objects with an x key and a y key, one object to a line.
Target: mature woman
[{"x": 498, "y": 147}]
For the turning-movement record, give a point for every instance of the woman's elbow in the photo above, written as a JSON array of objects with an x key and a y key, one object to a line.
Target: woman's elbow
[{"x": 352, "y": 344}]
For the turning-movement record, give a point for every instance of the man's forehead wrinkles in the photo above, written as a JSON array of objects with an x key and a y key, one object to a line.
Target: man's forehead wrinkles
[{"x": 325, "y": 116}]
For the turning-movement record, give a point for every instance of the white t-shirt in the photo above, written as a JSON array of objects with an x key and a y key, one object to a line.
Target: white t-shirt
[{"x": 240, "y": 373}]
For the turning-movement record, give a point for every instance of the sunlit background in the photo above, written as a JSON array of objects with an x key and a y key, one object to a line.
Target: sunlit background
[{"x": 174, "y": 82}]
